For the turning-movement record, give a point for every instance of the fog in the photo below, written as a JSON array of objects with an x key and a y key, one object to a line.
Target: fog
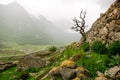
[
  {"x": 46, "y": 19},
  {"x": 59, "y": 11}
]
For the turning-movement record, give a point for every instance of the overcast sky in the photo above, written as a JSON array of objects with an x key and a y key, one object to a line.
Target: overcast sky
[{"x": 57, "y": 10}]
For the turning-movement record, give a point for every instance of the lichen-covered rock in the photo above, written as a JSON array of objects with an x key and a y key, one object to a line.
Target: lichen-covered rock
[
  {"x": 68, "y": 70},
  {"x": 68, "y": 64},
  {"x": 54, "y": 70},
  {"x": 81, "y": 70},
  {"x": 77, "y": 78},
  {"x": 107, "y": 26},
  {"x": 82, "y": 76},
  {"x": 67, "y": 73}
]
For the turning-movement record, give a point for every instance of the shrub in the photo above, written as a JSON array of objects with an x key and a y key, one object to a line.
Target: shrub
[
  {"x": 115, "y": 60},
  {"x": 52, "y": 49},
  {"x": 33, "y": 70},
  {"x": 85, "y": 46},
  {"x": 94, "y": 62},
  {"x": 99, "y": 47},
  {"x": 114, "y": 48},
  {"x": 23, "y": 76}
]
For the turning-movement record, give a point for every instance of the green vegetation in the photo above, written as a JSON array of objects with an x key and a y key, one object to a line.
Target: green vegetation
[
  {"x": 9, "y": 49},
  {"x": 24, "y": 47},
  {"x": 114, "y": 48},
  {"x": 115, "y": 60},
  {"x": 33, "y": 70},
  {"x": 52, "y": 49},
  {"x": 99, "y": 47},
  {"x": 9, "y": 74},
  {"x": 10, "y": 53},
  {"x": 92, "y": 60},
  {"x": 85, "y": 46}
]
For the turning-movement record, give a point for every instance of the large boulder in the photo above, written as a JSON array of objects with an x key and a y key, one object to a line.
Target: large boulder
[
  {"x": 67, "y": 73},
  {"x": 110, "y": 74},
  {"x": 113, "y": 73},
  {"x": 31, "y": 61},
  {"x": 68, "y": 70}
]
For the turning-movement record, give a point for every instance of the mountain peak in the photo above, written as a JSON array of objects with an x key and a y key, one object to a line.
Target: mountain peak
[
  {"x": 9, "y": 3},
  {"x": 14, "y": 4}
]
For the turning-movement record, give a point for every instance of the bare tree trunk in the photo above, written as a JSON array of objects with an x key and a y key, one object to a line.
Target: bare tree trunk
[{"x": 79, "y": 25}]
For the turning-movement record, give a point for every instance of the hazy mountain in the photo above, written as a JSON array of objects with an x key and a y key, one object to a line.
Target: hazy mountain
[{"x": 18, "y": 26}]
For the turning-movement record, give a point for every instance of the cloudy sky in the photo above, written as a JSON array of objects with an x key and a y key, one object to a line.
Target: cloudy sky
[{"x": 58, "y": 10}]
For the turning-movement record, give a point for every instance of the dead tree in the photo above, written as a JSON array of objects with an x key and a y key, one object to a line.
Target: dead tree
[{"x": 79, "y": 24}]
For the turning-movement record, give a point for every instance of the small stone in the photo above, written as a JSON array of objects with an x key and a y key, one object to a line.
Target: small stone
[{"x": 101, "y": 78}]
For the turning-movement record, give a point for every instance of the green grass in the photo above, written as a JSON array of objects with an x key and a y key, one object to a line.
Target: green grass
[
  {"x": 9, "y": 53},
  {"x": 90, "y": 60},
  {"x": 9, "y": 74},
  {"x": 94, "y": 62},
  {"x": 67, "y": 53},
  {"x": 13, "y": 49},
  {"x": 26, "y": 47}
]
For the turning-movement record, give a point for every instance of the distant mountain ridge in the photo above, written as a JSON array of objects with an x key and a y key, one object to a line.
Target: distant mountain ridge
[{"x": 18, "y": 26}]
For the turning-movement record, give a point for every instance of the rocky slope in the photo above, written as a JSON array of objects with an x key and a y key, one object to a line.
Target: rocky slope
[{"x": 107, "y": 27}]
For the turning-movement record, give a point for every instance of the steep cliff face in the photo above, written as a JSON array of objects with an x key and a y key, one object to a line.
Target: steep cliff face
[{"x": 107, "y": 27}]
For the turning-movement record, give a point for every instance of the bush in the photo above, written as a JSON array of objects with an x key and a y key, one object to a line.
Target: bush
[
  {"x": 115, "y": 60},
  {"x": 114, "y": 48},
  {"x": 94, "y": 62},
  {"x": 52, "y": 49},
  {"x": 33, "y": 70},
  {"x": 99, "y": 47},
  {"x": 85, "y": 46},
  {"x": 23, "y": 76}
]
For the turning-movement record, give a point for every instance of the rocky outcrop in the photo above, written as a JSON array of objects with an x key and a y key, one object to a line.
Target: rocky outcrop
[
  {"x": 68, "y": 70},
  {"x": 107, "y": 27},
  {"x": 110, "y": 74},
  {"x": 32, "y": 61},
  {"x": 113, "y": 73},
  {"x": 74, "y": 45},
  {"x": 4, "y": 66}
]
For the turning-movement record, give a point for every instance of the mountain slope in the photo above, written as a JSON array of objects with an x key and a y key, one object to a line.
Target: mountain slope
[
  {"x": 18, "y": 26},
  {"x": 107, "y": 27}
]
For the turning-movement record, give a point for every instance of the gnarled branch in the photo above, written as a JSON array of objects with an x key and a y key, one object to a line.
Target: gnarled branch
[{"x": 79, "y": 24}]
